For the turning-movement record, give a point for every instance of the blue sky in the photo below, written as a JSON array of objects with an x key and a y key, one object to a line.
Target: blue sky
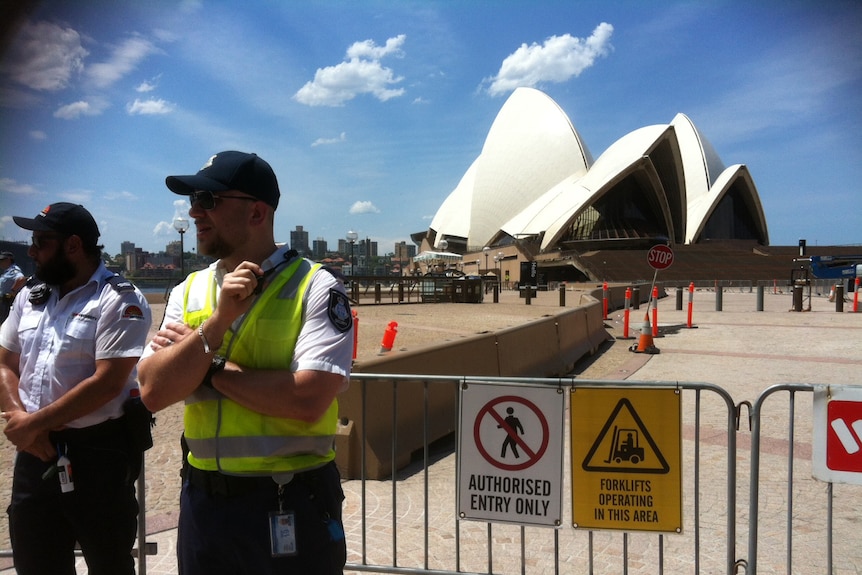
[{"x": 370, "y": 112}]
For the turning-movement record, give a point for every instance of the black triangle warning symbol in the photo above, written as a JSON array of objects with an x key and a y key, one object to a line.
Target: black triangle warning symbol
[{"x": 624, "y": 445}]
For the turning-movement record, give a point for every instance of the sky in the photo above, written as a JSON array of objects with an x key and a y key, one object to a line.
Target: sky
[{"x": 370, "y": 112}]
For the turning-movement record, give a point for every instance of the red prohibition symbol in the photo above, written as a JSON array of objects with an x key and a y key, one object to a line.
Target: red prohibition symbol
[{"x": 533, "y": 457}]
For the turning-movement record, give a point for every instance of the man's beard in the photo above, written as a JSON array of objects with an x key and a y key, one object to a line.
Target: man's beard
[{"x": 57, "y": 270}]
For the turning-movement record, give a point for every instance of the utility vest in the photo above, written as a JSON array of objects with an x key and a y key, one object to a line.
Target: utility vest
[{"x": 225, "y": 436}]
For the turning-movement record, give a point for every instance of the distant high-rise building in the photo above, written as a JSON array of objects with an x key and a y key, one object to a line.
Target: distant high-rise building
[
  {"x": 299, "y": 242},
  {"x": 128, "y": 251},
  {"x": 404, "y": 251},
  {"x": 366, "y": 248},
  {"x": 318, "y": 249}
]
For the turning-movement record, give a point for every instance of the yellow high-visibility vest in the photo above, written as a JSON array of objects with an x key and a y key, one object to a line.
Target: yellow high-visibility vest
[{"x": 225, "y": 436}]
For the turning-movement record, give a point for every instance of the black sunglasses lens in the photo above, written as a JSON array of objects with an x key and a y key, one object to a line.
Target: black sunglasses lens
[{"x": 204, "y": 198}]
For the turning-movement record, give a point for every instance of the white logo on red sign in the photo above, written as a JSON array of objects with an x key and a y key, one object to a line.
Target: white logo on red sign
[{"x": 844, "y": 438}]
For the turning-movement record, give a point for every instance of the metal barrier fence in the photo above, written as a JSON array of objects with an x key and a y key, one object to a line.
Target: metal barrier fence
[
  {"x": 410, "y": 524},
  {"x": 797, "y": 524},
  {"x": 777, "y": 520}
]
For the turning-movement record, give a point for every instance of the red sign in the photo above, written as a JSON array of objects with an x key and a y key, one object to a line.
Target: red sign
[
  {"x": 844, "y": 437},
  {"x": 660, "y": 257}
]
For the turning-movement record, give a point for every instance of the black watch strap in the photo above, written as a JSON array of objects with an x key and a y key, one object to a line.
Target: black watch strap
[{"x": 217, "y": 365}]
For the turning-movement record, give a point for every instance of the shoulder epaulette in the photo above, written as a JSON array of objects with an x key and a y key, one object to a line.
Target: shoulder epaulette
[{"x": 120, "y": 284}]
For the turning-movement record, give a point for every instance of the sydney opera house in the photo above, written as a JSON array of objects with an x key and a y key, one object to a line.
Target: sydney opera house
[{"x": 535, "y": 193}]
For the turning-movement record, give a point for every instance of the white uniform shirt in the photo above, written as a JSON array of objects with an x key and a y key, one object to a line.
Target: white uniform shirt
[
  {"x": 321, "y": 345},
  {"x": 60, "y": 341}
]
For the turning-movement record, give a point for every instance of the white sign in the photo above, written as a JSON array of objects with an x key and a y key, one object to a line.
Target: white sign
[
  {"x": 837, "y": 444},
  {"x": 510, "y": 454}
]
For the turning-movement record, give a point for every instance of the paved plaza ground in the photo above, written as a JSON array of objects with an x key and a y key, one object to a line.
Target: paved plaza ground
[{"x": 740, "y": 349}]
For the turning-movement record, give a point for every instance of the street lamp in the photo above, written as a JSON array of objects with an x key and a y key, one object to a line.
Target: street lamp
[
  {"x": 443, "y": 245},
  {"x": 500, "y": 258},
  {"x": 485, "y": 250},
  {"x": 181, "y": 225},
  {"x": 351, "y": 237}
]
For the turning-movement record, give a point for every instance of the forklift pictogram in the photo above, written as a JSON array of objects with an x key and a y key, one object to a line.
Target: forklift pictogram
[
  {"x": 625, "y": 446},
  {"x": 632, "y": 448}
]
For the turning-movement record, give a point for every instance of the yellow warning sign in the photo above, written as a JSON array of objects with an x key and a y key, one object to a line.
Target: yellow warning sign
[{"x": 627, "y": 459}]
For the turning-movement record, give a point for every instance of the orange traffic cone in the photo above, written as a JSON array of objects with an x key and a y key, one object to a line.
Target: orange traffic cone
[{"x": 645, "y": 342}]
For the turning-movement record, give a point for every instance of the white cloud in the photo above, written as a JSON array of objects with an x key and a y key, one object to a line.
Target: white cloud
[
  {"x": 167, "y": 229},
  {"x": 123, "y": 60},
  {"x": 328, "y": 141},
  {"x": 38, "y": 135},
  {"x": 44, "y": 56},
  {"x": 77, "y": 109},
  {"x": 13, "y": 187},
  {"x": 362, "y": 73},
  {"x": 148, "y": 85},
  {"x": 122, "y": 195},
  {"x": 557, "y": 60},
  {"x": 365, "y": 207},
  {"x": 149, "y": 107}
]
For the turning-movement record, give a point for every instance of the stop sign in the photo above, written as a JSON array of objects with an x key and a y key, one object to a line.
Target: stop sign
[{"x": 660, "y": 257}]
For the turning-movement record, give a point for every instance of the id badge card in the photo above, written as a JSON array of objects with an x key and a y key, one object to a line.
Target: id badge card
[{"x": 282, "y": 533}]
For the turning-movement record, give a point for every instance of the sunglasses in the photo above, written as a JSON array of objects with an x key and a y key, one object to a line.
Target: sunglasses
[
  {"x": 38, "y": 242},
  {"x": 207, "y": 200}
]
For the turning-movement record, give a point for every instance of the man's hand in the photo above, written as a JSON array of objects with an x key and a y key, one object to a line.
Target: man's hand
[
  {"x": 170, "y": 334},
  {"x": 238, "y": 290},
  {"x": 21, "y": 432}
]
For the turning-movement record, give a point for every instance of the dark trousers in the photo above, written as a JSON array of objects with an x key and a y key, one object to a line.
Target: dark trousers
[
  {"x": 100, "y": 514},
  {"x": 224, "y": 529}
]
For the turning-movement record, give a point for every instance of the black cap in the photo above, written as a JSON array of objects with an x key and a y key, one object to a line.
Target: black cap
[
  {"x": 7, "y": 256},
  {"x": 231, "y": 171},
  {"x": 64, "y": 218}
]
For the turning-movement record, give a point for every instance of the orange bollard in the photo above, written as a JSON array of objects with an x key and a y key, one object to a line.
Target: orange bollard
[
  {"x": 627, "y": 313},
  {"x": 605, "y": 300},
  {"x": 856, "y": 296},
  {"x": 690, "y": 302},
  {"x": 355, "y": 332},
  {"x": 389, "y": 336},
  {"x": 655, "y": 311}
]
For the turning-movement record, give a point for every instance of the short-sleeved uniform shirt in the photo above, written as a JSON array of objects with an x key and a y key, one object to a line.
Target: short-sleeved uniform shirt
[
  {"x": 323, "y": 340},
  {"x": 8, "y": 278},
  {"x": 60, "y": 340}
]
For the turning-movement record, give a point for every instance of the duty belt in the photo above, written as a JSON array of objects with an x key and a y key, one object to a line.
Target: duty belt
[{"x": 215, "y": 483}]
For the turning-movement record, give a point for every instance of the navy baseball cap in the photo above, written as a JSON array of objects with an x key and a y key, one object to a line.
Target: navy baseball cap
[
  {"x": 63, "y": 218},
  {"x": 231, "y": 170}
]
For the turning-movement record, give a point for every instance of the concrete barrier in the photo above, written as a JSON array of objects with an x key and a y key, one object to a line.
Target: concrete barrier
[
  {"x": 473, "y": 355},
  {"x": 390, "y": 408},
  {"x": 549, "y": 346},
  {"x": 530, "y": 349},
  {"x": 574, "y": 337}
]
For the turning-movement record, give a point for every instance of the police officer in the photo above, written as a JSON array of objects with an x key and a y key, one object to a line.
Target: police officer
[
  {"x": 258, "y": 346},
  {"x": 67, "y": 366}
]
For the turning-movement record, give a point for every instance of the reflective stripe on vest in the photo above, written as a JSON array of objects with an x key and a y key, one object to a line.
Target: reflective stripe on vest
[{"x": 223, "y": 435}]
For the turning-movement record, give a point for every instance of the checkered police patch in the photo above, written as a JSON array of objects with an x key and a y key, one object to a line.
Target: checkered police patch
[{"x": 339, "y": 311}]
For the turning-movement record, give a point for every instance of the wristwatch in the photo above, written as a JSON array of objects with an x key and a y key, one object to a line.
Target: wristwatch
[{"x": 216, "y": 366}]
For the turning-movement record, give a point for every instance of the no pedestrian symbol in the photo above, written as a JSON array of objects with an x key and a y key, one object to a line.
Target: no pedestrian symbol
[
  {"x": 510, "y": 454},
  {"x": 512, "y": 449}
]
